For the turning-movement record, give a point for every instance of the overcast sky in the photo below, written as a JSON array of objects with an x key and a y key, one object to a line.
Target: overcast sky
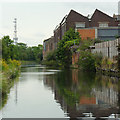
[{"x": 37, "y": 20}]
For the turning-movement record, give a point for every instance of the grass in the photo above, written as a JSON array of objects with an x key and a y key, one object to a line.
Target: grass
[{"x": 9, "y": 70}]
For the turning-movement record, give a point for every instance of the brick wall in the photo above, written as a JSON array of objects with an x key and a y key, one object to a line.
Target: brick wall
[
  {"x": 87, "y": 33},
  {"x": 74, "y": 17},
  {"x": 75, "y": 58},
  {"x": 48, "y": 46}
]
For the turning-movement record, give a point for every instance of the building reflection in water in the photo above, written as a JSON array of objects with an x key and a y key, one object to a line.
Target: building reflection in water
[{"x": 80, "y": 93}]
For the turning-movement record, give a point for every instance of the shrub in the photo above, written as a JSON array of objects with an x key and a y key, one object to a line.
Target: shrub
[
  {"x": 98, "y": 59},
  {"x": 10, "y": 70},
  {"x": 50, "y": 59},
  {"x": 86, "y": 61},
  {"x": 51, "y": 56},
  {"x": 107, "y": 63},
  {"x": 4, "y": 65}
]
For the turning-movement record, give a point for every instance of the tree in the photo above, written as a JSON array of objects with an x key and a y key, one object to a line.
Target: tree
[
  {"x": 64, "y": 54},
  {"x": 7, "y": 48},
  {"x": 40, "y": 53},
  {"x": 22, "y": 48},
  {"x": 20, "y": 51}
]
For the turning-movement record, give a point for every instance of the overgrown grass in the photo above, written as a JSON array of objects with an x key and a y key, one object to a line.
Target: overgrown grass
[{"x": 9, "y": 71}]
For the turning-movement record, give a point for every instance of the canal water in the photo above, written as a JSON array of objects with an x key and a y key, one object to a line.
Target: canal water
[{"x": 51, "y": 93}]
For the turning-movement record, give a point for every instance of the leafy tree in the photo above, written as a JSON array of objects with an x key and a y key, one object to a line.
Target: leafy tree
[
  {"x": 64, "y": 54},
  {"x": 40, "y": 53},
  {"x": 20, "y": 51},
  {"x": 7, "y": 48}
]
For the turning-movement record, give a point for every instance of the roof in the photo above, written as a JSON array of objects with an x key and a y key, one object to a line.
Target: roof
[
  {"x": 66, "y": 16},
  {"x": 48, "y": 39},
  {"x": 73, "y": 11},
  {"x": 101, "y": 13}
]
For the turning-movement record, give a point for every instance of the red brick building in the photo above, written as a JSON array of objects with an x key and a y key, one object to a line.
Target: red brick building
[
  {"x": 100, "y": 25},
  {"x": 73, "y": 20}
]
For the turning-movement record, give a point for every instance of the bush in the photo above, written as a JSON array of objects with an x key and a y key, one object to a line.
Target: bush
[
  {"x": 50, "y": 59},
  {"x": 98, "y": 60},
  {"x": 51, "y": 56},
  {"x": 4, "y": 65},
  {"x": 86, "y": 61},
  {"x": 9, "y": 71},
  {"x": 108, "y": 63}
]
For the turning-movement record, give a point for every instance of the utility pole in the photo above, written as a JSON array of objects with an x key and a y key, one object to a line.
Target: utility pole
[{"x": 15, "y": 31}]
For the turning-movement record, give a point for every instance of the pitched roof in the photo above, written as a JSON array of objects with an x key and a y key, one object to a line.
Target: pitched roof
[
  {"x": 98, "y": 11},
  {"x": 74, "y": 12}
]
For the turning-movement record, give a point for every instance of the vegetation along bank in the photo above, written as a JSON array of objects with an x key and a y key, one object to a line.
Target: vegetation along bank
[
  {"x": 13, "y": 55},
  {"x": 87, "y": 61}
]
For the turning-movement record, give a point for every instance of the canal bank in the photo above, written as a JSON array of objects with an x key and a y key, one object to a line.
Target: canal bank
[{"x": 9, "y": 72}]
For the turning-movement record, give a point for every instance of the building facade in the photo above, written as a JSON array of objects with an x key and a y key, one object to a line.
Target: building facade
[
  {"x": 99, "y": 26},
  {"x": 48, "y": 46}
]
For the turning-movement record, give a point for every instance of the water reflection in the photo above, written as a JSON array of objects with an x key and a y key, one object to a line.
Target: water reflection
[
  {"x": 81, "y": 93},
  {"x": 75, "y": 94}
]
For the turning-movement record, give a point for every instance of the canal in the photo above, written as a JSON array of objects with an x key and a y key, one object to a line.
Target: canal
[{"x": 43, "y": 92}]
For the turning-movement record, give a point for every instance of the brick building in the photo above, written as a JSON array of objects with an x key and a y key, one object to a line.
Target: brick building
[
  {"x": 100, "y": 26},
  {"x": 72, "y": 20},
  {"x": 48, "y": 45},
  {"x": 100, "y": 19}
]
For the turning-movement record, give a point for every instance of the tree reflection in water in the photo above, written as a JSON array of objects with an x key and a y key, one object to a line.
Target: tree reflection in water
[{"x": 81, "y": 92}]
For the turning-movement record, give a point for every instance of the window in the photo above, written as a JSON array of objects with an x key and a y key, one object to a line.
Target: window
[
  {"x": 80, "y": 25},
  {"x": 103, "y": 24}
]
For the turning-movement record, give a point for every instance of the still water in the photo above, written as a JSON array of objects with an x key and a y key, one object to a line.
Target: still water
[{"x": 50, "y": 93}]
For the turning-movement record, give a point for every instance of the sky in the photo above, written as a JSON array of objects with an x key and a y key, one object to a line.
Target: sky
[{"x": 36, "y": 20}]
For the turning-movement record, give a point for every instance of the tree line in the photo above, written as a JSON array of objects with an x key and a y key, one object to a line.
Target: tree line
[{"x": 20, "y": 51}]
